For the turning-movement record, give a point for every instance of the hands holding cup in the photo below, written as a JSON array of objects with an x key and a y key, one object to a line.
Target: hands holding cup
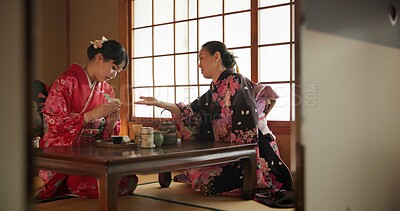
[{"x": 103, "y": 110}]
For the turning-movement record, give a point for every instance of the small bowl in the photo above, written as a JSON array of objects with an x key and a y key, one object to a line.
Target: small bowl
[{"x": 117, "y": 139}]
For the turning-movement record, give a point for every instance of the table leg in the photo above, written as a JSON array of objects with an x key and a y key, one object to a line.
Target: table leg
[
  {"x": 108, "y": 192},
  {"x": 164, "y": 179},
  {"x": 249, "y": 177}
]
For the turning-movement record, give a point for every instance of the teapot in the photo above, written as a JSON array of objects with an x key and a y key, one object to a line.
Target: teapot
[
  {"x": 168, "y": 127},
  {"x": 169, "y": 132}
]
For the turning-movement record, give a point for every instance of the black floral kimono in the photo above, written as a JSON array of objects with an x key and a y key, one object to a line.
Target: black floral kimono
[{"x": 228, "y": 113}]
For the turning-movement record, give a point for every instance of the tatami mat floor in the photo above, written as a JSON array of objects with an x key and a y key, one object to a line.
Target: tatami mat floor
[{"x": 149, "y": 196}]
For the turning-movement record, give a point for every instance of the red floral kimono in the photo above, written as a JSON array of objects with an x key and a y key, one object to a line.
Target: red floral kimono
[
  {"x": 228, "y": 112},
  {"x": 71, "y": 95}
]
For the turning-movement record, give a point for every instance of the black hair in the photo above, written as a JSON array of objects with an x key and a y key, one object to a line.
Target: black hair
[
  {"x": 228, "y": 60},
  {"x": 111, "y": 49}
]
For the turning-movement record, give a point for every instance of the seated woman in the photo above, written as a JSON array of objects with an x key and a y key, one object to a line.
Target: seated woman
[
  {"x": 228, "y": 112},
  {"x": 39, "y": 92},
  {"x": 80, "y": 109}
]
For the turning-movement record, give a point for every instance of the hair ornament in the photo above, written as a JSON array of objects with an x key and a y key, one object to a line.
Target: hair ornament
[{"x": 98, "y": 43}]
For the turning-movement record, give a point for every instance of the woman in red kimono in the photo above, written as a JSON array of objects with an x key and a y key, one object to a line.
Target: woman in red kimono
[
  {"x": 81, "y": 109},
  {"x": 229, "y": 112}
]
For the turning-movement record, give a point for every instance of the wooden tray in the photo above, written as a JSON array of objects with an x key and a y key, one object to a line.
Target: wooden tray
[{"x": 110, "y": 144}]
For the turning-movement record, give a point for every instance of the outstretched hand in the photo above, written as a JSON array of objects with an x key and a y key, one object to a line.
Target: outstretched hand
[{"x": 151, "y": 101}]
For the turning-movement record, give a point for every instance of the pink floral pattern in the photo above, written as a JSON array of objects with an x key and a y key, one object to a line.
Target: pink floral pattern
[
  {"x": 189, "y": 124},
  {"x": 228, "y": 113},
  {"x": 202, "y": 176}
]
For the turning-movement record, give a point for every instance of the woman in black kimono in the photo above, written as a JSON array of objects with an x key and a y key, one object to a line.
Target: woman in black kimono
[{"x": 228, "y": 112}]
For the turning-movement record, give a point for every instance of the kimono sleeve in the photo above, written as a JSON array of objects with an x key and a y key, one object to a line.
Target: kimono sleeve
[
  {"x": 244, "y": 113},
  {"x": 61, "y": 129},
  {"x": 189, "y": 123},
  {"x": 106, "y": 135},
  {"x": 195, "y": 119}
]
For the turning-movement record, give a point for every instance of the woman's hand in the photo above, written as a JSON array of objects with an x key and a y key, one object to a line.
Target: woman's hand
[
  {"x": 111, "y": 120},
  {"x": 151, "y": 101},
  {"x": 102, "y": 110},
  {"x": 113, "y": 117}
]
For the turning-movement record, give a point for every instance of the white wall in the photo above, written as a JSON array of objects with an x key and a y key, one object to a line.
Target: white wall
[
  {"x": 352, "y": 135},
  {"x": 13, "y": 174}
]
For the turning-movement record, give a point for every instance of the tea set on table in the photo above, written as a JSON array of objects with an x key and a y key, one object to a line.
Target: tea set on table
[{"x": 145, "y": 137}]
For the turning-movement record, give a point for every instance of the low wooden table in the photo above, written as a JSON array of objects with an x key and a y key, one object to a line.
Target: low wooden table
[{"x": 110, "y": 164}]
